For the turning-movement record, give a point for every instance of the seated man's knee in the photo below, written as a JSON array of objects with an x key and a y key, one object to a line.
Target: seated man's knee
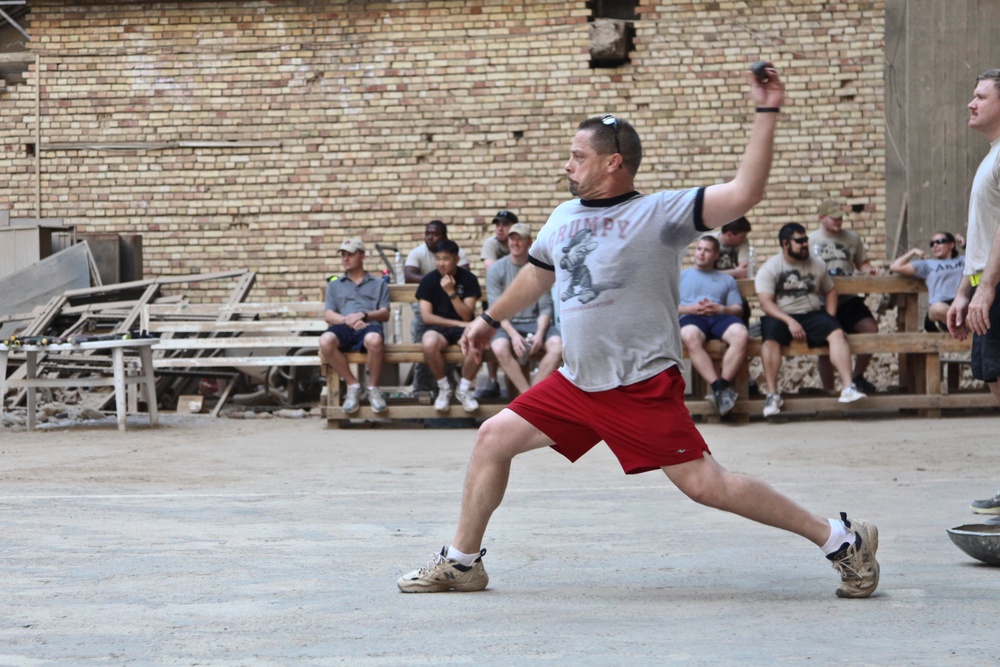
[
  {"x": 867, "y": 325},
  {"x": 328, "y": 343},
  {"x": 692, "y": 337},
  {"x": 554, "y": 345},
  {"x": 431, "y": 341},
  {"x": 374, "y": 342},
  {"x": 736, "y": 334},
  {"x": 501, "y": 347}
]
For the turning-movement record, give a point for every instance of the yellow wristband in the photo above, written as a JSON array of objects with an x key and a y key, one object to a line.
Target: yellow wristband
[{"x": 975, "y": 279}]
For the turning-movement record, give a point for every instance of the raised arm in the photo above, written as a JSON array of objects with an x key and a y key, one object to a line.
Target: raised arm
[
  {"x": 725, "y": 202},
  {"x": 901, "y": 264}
]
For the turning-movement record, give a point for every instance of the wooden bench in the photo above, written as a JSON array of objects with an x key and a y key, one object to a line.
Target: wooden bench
[
  {"x": 396, "y": 353},
  {"x": 920, "y": 359},
  {"x": 197, "y": 337}
]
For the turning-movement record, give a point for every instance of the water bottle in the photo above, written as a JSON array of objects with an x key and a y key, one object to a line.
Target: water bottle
[
  {"x": 523, "y": 359},
  {"x": 397, "y": 324},
  {"x": 400, "y": 274},
  {"x": 751, "y": 264}
]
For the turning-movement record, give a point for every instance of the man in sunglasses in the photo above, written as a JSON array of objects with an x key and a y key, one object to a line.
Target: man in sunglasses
[
  {"x": 976, "y": 307},
  {"x": 799, "y": 301},
  {"x": 843, "y": 250},
  {"x": 614, "y": 256}
]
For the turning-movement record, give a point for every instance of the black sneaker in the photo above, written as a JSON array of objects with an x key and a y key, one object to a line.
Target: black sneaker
[
  {"x": 988, "y": 506},
  {"x": 864, "y": 386},
  {"x": 491, "y": 390}
]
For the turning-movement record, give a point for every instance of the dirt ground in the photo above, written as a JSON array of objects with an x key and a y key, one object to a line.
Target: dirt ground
[{"x": 279, "y": 542}]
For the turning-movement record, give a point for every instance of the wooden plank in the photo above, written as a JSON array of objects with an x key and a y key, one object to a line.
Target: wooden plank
[
  {"x": 230, "y": 362},
  {"x": 38, "y": 284},
  {"x": 249, "y": 308},
  {"x": 239, "y": 342},
  {"x": 255, "y": 326}
]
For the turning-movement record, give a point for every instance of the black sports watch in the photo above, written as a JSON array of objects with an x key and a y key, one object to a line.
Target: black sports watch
[{"x": 489, "y": 320}]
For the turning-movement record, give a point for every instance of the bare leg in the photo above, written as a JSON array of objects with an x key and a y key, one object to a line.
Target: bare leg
[
  {"x": 694, "y": 341},
  {"x": 515, "y": 375},
  {"x": 825, "y": 369},
  {"x": 770, "y": 356},
  {"x": 708, "y": 483},
  {"x": 938, "y": 312},
  {"x": 499, "y": 440},
  {"x": 432, "y": 343},
  {"x": 551, "y": 360},
  {"x": 840, "y": 356},
  {"x": 736, "y": 337},
  {"x": 376, "y": 351},
  {"x": 330, "y": 345}
]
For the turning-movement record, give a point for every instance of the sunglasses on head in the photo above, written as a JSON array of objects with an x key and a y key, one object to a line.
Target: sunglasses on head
[
  {"x": 612, "y": 122},
  {"x": 939, "y": 242}
]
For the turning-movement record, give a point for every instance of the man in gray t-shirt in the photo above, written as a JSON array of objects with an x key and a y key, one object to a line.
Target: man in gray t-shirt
[
  {"x": 529, "y": 331},
  {"x": 614, "y": 256}
]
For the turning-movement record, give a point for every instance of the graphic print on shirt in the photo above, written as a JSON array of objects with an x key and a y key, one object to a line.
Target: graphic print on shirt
[
  {"x": 837, "y": 257},
  {"x": 792, "y": 285},
  {"x": 574, "y": 261},
  {"x": 728, "y": 258}
]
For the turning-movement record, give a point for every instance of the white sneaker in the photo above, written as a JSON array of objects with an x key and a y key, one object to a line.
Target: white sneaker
[
  {"x": 851, "y": 394},
  {"x": 772, "y": 405},
  {"x": 353, "y": 400},
  {"x": 443, "y": 400},
  {"x": 468, "y": 399},
  {"x": 376, "y": 400}
]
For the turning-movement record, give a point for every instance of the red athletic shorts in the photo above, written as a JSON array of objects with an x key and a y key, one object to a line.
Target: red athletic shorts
[{"x": 645, "y": 424}]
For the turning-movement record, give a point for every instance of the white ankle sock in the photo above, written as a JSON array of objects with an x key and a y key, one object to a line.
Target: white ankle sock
[
  {"x": 443, "y": 383},
  {"x": 464, "y": 385},
  {"x": 464, "y": 559},
  {"x": 354, "y": 386},
  {"x": 839, "y": 534}
]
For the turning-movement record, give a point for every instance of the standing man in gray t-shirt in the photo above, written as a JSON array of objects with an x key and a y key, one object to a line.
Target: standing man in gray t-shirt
[{"x": 615, "y": 255}]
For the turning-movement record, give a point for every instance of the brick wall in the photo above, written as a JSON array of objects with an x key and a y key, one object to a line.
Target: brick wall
[{"x": 375, "y": 117}]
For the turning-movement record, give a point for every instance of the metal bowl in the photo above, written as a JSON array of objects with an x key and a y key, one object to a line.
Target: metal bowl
[{"x": 981, "y": 541}]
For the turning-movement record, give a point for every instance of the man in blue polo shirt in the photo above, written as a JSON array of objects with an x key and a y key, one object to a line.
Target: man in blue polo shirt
[{"x": 356, "y": 305}]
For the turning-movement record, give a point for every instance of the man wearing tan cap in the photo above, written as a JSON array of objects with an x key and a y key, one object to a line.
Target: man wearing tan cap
[
  {"x": 530, "y": 330},
  {"x": 356, "y": 305},
  {"x": 844, "y": 254}
]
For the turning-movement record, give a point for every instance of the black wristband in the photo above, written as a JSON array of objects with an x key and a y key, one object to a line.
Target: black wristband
[
  {"x": 768, "y": 109},
  {"x": 453, "y": 295},
  {"x": 489, "y": 320}
]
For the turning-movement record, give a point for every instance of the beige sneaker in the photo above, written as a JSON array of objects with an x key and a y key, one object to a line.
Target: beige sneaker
[
  {"x": 445, "y": 574},
  {"x": 856, "y": 562}
]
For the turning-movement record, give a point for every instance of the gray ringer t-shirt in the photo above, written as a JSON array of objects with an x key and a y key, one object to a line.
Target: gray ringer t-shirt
[{"x": 617, "y": 265}]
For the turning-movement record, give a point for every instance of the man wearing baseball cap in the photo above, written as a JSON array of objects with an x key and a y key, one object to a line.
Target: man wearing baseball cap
[
  {"x": 494, "y": 249},
  {"x": 531, "y": 329},
  {"x": 356, "y": 305},
  {"x": 844, "y": 254}
]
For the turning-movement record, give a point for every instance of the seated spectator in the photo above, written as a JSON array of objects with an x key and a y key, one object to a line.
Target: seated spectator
[
  {"x": 844, "y": 254},
  {"x": 447, "y": 297},
  {"x": 421, "y": 260},
  {"x": 734, "y": 254},
  {"x": 528, "y": 331},
  {"x": 942, "y": 274},
  {"x": 494, "y": 249},
  {"x": 356, "y": 305},
  {"x": 734, "y": 249},
  {"x": 799, "y": 301},
  {"x": 711, "y": 308}
]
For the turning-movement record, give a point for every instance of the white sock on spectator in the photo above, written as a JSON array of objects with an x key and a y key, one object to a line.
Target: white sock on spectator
[
  {"x": 464, "y": 384},
  {"x": 443, "y": 383}
]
